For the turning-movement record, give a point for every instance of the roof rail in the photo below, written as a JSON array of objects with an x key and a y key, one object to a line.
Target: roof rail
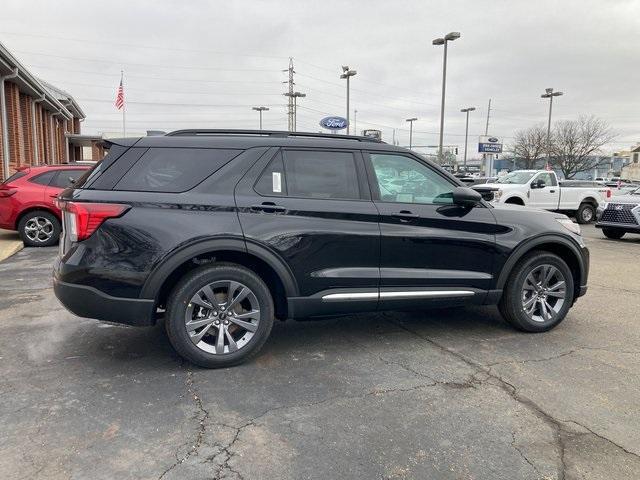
[{"x": 269, "y": 133}]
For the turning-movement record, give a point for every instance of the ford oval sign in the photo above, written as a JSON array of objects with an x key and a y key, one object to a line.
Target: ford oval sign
[
  {"x": 492, "y": 140},
  {"x": 334, "y": 123}
]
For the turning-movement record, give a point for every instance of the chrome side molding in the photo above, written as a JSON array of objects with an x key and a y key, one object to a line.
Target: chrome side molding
[{"x": 396, "y": 295}]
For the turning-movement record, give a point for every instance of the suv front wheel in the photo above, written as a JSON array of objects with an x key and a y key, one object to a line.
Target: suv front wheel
[
  {"x": 219, "y": 315},
  {"x": 539, "y": 292}
]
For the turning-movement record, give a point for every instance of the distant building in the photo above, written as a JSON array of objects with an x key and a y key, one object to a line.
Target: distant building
[
  {"x": 36, "y": 119},
  {"x": 632, "y": 170}
]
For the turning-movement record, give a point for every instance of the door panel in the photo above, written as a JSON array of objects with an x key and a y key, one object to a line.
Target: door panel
[
  {"x": 427, "y": 241},
  {"x": 548, "y": 196},
  {"x": 328, "y": 243}
]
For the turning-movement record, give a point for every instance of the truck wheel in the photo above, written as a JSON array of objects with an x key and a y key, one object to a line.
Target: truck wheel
[
  {"x": 219, "y": 315},
  {"x": 586, "y": 213},
  {"x": 538, "y": 293},
  {"x": 39, "y": 229},
  {"x": 614, "y": 233}
]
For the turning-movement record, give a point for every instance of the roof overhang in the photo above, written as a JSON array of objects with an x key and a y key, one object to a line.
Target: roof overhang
[
  {"x": 29, "y": 84},
  {"x": 79, "y": 140}
]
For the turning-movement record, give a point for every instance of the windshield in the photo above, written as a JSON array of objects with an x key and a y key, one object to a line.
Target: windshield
[{"x": 518, "y": 178}]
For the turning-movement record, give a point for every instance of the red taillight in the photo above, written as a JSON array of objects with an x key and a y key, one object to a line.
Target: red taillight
[
  {"x": 608, "y": 193},
  {"x": 82, "y": 219}
]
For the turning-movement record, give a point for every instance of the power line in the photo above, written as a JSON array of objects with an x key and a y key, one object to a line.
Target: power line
[
  {"x": 125, "y": 63},
  {"x": 163, "y": 48}
]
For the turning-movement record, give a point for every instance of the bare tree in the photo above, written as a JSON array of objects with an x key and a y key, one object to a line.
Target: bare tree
[
  {"x": 575, "y": 144},
  {"x": 529, "y": 145}
]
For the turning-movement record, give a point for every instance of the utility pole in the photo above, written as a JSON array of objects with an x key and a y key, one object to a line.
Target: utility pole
[
  {"x": 486, "y": 132},
  {"x": 466, "y": 136},
  {"x": 549, "y": 94},
  {"x": 449, "y": 37},
  {"x": 411, "y": 120},
  {"x": 347, "y": 73},
  {"x": 355, "y": 122},
  {"x": 289, "y": 93},
  {"x": 260, "y": 110}
]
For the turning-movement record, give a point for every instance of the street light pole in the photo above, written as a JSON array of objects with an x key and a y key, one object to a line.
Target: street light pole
[
  {"x": 449, "y": 37},
  {"x": 347, "y": 73},
  {"x": 549, "y": 94},
  {"x": 411, "y": 120},
  {"x": 466, "y": 135},
  {"x": 260, "y": 110}
]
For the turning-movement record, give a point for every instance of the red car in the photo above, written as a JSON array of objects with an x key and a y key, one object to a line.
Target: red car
[{"x": 27, "y": 201}]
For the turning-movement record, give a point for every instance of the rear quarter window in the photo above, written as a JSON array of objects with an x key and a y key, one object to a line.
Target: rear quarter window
[
  {"x": 174, "y": 170},
  {"x": 14, "y": 177}
]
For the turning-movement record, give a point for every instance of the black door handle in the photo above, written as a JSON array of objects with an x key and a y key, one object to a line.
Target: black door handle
[
  {"x": 552, "y": 191},
  {"x": 405, "y": 215},
  {"x": 268, "y": 207}
]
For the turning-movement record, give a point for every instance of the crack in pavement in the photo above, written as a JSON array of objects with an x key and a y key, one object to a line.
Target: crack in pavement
[
  {"x": 524, "y": 457},
  {"x": 560, "y": 355},
  {"x": 558, "y": 425},
  {"x": 203, "y": 417}
]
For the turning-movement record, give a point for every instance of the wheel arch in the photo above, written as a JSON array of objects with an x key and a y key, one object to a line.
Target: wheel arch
[
  {"x": 265, "y": 263},
  {"x": 35, "y": 208},
  {"x": 557, "y": 244},
  {"x": 590, "y": 200},
  {"x": 515, "y": 200}
]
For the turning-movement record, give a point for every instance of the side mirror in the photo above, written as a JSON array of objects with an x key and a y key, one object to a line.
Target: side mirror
[
  {"x": 538, "y": 184},
  {"x": 466, "y": 197}
]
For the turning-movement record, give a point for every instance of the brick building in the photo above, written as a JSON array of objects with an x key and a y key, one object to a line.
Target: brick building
[{"x": 36, "y": 119}]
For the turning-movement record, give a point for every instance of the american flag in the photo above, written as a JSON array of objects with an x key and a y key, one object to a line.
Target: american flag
[{"x": 119, "y": 103}]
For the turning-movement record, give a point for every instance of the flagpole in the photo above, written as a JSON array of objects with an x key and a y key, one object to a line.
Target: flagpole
[{"x": 124, "y": 107}]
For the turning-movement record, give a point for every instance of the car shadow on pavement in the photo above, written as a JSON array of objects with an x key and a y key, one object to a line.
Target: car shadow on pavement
[{"x": 113, "y": 347}]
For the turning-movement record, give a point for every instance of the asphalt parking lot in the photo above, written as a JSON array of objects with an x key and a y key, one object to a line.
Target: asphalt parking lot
[{"x": 440, "y": 394}]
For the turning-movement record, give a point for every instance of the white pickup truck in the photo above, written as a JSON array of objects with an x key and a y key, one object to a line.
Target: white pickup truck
[{"x": 541, "y": 189}]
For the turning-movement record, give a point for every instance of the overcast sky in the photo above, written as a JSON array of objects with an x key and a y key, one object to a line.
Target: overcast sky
[{"x": 204, "y": 64}]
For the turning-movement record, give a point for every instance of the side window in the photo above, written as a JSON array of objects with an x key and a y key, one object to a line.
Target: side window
[
  {"x": 43, "y": 178},
  {"x": 548, "y": 179},
  {"x": 272, "y": 181},
  {"x": 173, "y": 170},
  {"x": 321, "y": 174},
  {"x": 404, "y": 179},
  {"x": 65, "y": 177}
]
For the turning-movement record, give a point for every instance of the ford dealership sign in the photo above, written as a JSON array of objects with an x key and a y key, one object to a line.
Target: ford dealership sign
[
  {"x": 334, "y": 123},
  {"x": 489, "y": 144}
]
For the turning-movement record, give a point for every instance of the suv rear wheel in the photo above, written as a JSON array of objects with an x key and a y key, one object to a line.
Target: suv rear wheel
[
  {"x": 39, "y": 229},
  {"x": 219, "y": 315},
  {"x": 538, "y": 294}
]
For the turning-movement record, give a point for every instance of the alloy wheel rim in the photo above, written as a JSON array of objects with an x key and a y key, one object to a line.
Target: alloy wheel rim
[
  {"x": 222, "y": 317},
  {"x": 587, "y": 214},
  {"x": 544, "y": 293},
  {"x": 39, "y": 229}
]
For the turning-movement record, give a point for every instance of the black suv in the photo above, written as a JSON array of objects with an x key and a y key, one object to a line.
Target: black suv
[{"x": 220, "y": 232}]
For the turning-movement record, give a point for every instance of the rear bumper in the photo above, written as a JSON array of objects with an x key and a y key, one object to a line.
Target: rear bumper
[{"x": 90, "y": 302}]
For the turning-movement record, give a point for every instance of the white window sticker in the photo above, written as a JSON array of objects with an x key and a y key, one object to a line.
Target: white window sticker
[{"x": 277, "y": 182}]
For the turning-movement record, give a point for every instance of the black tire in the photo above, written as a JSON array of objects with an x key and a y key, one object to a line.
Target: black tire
[
  {"x": 613, "y": 233},
  {"x": 586, "y": 213},
  {"x": 179, "y": 301},
  {"x": 511, "y": 304},
  {"x": 49, "y": 233}
]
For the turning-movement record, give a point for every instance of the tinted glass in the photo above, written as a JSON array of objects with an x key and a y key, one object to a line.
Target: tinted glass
[
  {"x": 272, "y": 181},
  {"x": 404, "y": 179},
  {"x": 173, "y": 170},
  {"x": 64, "y": 177},
  {"x": 321, "y": 174},
  {"x": 94, "y": 172},
  {"x": 44, "y": 178},
  {"x": 15, "y": 176}
]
